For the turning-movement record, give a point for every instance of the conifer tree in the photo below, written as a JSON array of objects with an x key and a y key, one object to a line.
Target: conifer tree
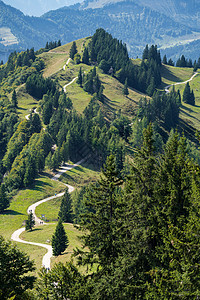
[
  {"x": 30, "y": 222},
  {"x": 15, "y": 272},
  {"x": 65, "y": 213},
  {"x": 85, "y": 58},
  {"x": 14, "y": 99},
  {"x": 102, "y": 220},
  {"x": 73, "y": 50},
  {"x": 165, "y": 59},
  {"x": 125, "y": 88},
  {"x": 4, "y": 201},
  {"x": 188, "y": 95},
  {"x": 80, "y": 78},
  {"x": 59, "y": 239}
]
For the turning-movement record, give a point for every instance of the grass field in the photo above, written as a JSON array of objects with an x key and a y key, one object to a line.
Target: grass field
[
  {"x": 191, "y": 114},
  {"x": 80, "y": 176},
  {"x": 172, "y": 75},
  {"x": 114, "y": 98},
  {"x": 56, "y": 58},
  {"x": 13, "y": 218},
  {"x": 44, "y": 234},
  {"x": 25, "y": 102},
  {"x": 50, "y": 209}
]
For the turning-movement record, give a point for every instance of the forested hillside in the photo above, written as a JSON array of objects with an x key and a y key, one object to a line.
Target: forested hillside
[{"x": 139, "y": 218}]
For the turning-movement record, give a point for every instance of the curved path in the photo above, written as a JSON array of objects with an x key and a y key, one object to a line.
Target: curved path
[
  {"x": 177, "y": 83},
  {"x": 65, "y": 86},
  {"x": 64, "y": 67},
  {"x": 46, "y": 261}
]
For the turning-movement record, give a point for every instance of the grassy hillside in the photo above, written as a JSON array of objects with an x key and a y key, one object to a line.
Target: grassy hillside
[
  {"x": 189, "y": 115},
  {"x": 172, "y": 75}
]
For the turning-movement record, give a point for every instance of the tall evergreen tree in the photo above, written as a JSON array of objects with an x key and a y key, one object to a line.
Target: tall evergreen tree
[
  {"x": 103, "y": 218},
  {"x": 73, "y": 50},
  {"x": 59, "y": 239},
  {"x": 14, "y": 99},
  {"x": 15, "y": 268},
  {"x": 65, "y": 213},
  {"x": 30, "y": 222},
  {"x": 4, "y": 201},
  {"x": 80, "y": 78},
  {"x": 188, "y": 95},
  {"x": 85, "y": 58},
  {"x": 125, "y": 88}
]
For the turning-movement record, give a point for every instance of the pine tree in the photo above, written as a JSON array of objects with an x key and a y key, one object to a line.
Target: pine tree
[
  {"x": 73, "y": 50},
  {"x": 15, "y": 271},
  {"x": 14, "y": 99},
  {"x": 85, "y": 58},
  {"x": 65, "y": 213},
  {"x": 125, "y": 88},
  {"x": 188, "y": 96},
  {"x": 4, "y": 201},
  {"x": 59, "y": 239},
  {"x": 165, "y": 59},
  {"x": 30, "y": 222},
  {"x": 80, "y": 78},
  {"x": 102, "y": 220}
]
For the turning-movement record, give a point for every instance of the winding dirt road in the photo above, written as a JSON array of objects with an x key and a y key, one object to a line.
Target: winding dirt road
[
  {"x": 46, "y": 261},
  {"x": 177, "y": 83}
]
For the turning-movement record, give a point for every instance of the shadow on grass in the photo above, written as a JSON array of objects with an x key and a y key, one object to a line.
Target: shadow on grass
[
  {"x": 36, "y": 229},
  {"x": 167, "y": 74},
  {"x": 22, "y": 108},
  {"x": 11, "y": 213}
]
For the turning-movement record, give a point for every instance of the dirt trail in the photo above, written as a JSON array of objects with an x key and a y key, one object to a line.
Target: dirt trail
[
  {"x": 177, "y": 83},
  {"x": 46, "y": 261}
]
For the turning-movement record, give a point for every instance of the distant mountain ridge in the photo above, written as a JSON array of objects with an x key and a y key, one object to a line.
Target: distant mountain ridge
[
  {"x": 39, "y": 7},
  {"x": 136, "y": 23}
]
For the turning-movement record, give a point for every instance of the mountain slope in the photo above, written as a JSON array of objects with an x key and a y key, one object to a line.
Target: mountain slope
[
  {"x": 38, "y": 7},
  {"x": 131, "y": 22},
  {"x": 127, "y": 21},
  {"x": 29, "y": 31}
]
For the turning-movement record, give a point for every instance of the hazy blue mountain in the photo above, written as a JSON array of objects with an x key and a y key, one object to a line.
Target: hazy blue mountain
[
  {"x": 136, "y": 23},
  {"x": 39, "y": 7}
]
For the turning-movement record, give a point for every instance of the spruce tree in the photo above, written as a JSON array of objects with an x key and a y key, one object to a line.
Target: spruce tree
[
  {"x": 73, "y": 50},
  {"x": 125, "y": 88},
  {"x": 59, "y": 239},
  {"x": 103, "y": 220},
  {"x": 85, "y": 58},
  {"x": 80, "y": 78},
  {"x": 188, "y": 95},
  {"x": 65, "y": 213},
  {"x": 30, "y": 222},
  {"x": 165, "y": 59},
  {"x": 4, "y": 201},
  {"x": 14, "y": 99}
]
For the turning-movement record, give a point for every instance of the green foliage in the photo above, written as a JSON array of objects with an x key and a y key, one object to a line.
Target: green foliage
[
  {"x": 85, "y": 58},
  {"x": 125, "y": 88},
  {"x": 65, "y": 213},
  {"x": 30, "y": 222},
  {"x": 188, "y": 96},
  {"x": 73, "y": 50},
  {"x": 59, "y": 239},
  {"x": 14, "y": 99},
  {"x": 162, "y": 108},
  {"x": 37, "y": 86},
  {"x": 80, "y": 77},
  {"x": 52, "y": 45},
  {"x": 4, "y": 201},
  {"x": 69, "y": 283},
  {"x": 14, "y": 266},
  {"x": 103, "y": 219}
]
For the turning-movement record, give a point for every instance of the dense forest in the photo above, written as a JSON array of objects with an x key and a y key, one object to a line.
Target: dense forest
[{"x": 140, "y": 220}]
